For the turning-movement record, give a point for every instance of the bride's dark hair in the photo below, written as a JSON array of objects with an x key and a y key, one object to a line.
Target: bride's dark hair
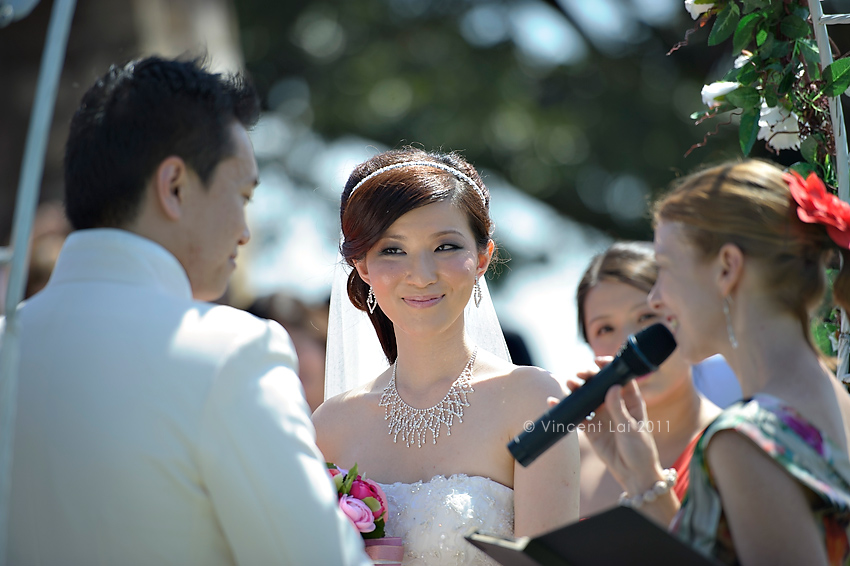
[{"x": 365, "y": 214}]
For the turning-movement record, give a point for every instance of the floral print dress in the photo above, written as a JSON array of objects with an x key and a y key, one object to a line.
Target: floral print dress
[{"x": 793, "y": 443}]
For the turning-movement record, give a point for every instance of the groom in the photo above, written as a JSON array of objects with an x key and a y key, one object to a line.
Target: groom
[{"x": 153, "y": 427}]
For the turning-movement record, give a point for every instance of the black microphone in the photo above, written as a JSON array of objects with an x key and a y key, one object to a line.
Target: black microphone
[{"x": 640, "y": 354}]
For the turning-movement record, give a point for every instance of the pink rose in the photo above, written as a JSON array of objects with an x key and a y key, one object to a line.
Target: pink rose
[
  {"x": 363, "y": 488},
  {"x": 358, "y": 512}
]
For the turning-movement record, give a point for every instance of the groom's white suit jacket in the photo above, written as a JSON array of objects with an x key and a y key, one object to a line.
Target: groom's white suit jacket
[{"x": 155, "y": 429}]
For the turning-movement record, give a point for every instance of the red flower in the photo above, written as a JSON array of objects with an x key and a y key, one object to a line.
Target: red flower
[{"x": 816, "y": 205}]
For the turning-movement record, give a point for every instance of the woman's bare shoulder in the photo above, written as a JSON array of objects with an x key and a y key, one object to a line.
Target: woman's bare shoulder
[
  {"x": 346, "y": 403},
  {"x": 526, "y": 387}
]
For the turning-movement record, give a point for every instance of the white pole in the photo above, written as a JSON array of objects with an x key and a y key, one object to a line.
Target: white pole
[
  {"x": 28, "y": 189},
  {"x": 842, "y": 163}
]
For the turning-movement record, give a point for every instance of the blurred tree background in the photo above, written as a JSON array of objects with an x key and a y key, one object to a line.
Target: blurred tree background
[{"x": 575, "y": 103}]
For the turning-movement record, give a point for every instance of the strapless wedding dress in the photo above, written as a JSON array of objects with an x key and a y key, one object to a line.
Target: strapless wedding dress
[{"x": 432, "y": 517}]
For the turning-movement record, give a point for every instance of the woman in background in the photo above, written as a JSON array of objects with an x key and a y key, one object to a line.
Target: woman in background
[{"x": 611, "y": 305}]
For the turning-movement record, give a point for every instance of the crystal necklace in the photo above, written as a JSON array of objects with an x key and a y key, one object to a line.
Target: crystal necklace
[{"x": 412, "y": 423}]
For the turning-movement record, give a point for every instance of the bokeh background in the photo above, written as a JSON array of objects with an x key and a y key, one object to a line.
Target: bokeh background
[{"x": 572, "y": 109}]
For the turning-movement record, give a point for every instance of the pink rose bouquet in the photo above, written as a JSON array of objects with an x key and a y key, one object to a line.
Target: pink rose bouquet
[{"x": 361, "y": 500}]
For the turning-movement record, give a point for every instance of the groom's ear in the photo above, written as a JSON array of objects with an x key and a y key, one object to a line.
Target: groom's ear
[{"x": 362, "y": 270}]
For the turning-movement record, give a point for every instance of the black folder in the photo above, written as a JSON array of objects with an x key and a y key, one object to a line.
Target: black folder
[{"x": 618, "y": 536}]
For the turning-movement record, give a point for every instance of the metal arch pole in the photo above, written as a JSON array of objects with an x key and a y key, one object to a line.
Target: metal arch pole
[
  {"x": 836, "y": 115},
  {"x": 32, "y": 170}
]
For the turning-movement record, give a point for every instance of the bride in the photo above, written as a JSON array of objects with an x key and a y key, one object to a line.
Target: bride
[{"x": 432, "y": 428}]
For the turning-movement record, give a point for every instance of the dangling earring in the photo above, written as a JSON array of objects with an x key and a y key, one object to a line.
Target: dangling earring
[
  {"x": 729, "y": 330},
  {"x": 476, "y": 293},
  {"x": 371, "y": 301}
]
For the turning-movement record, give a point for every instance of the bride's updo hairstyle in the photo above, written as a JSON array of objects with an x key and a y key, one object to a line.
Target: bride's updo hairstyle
[
  {"x": 749, "y": 204},
  {"x": 367, "y": 212}
]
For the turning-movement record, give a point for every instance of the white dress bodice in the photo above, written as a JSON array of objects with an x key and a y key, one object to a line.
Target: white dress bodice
[{"x": 432, "y": 517}]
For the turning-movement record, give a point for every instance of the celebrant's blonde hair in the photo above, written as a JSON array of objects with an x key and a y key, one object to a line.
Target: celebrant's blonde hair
[{"x": 749, "y": 204}]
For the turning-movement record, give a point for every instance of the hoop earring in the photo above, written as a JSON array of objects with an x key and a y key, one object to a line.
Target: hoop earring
[
  {"x": 476, "y": 293},
  {"x": 729, "y": 330},
  {"x": 371, "y": 301}
]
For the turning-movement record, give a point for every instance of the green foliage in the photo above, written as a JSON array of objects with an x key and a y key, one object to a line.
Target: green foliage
[
  {"x": 781, "y": 77},
  {"x": 826, "y": 323},
  {"x": 795, "y": 27},
  {"x": 744, "y": 32},
  {"x": 379, "y": 532},
  {"x": 821, "y": 333},
  {"x": 753, "y": 5},
  {"x": 809, "y": 150},
  {"x": 837, "y": 77},
  {"x": 564, "y": 133},
  {"x": 727, "y": 20},
  {"x": 749, "y": 129},
  {"x": 744, "y": 97}
]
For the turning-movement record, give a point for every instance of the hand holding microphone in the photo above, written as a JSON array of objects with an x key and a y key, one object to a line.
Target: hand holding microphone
[{"x": 641, "y": 354}]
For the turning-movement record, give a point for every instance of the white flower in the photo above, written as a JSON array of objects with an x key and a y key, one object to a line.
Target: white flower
[
  {"x": 742, "y": 59},
  {"x": 711, "y": 92},
  {"x": 695, "y": 9},
  {"x": 780, "y": 127}
]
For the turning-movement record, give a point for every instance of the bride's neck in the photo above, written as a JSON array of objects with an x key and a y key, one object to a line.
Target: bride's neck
[{"x": 423, "y": 363}]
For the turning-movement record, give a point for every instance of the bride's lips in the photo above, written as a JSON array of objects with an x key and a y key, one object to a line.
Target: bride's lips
[{"x": 422, "y": 302}]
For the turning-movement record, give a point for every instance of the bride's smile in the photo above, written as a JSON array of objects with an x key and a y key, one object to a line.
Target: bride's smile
[{"x": 423, "y": 302}]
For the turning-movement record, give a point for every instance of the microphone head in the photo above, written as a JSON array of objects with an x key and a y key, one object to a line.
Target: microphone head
[{"x": 645, "y": 351}]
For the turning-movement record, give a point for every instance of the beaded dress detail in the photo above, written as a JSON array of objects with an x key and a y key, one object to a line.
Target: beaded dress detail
[
  {"x": 412, "y": 423},
  {"x": 432, "y": 517}
]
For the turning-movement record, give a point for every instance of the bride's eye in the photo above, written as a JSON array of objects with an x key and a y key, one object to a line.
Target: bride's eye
[
  {"x": 391, "y": 251},
  {"x": 448, "y": 247}
]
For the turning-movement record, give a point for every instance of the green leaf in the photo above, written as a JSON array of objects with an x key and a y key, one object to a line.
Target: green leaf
[
  {"x": 787, "y": 79},
  {"x": 752, "y": 5},
  {"x": 780, "y": 49},
  {"x": 747, "y": 74},
  {"x": 744, "y": 31},
  {"x": 731, "y": 75},
  {"x": 804, "y": 168},
  {"x": 801, "y": 12},
  {"x": 727, "y": 21},
  {"x": 794, "y": 27},
  {"x": 821, "y": 333},
  {"x": 744, "y": 97},
  {"x": 349, "y": 480},
  {"x": 761, "y": 37},
  {"x": 809, "y": 50},
  {"x": 809, "y": 149},
  {"x": 837, "y": 77},
  {"x": 377, "y": 533},
  {"x": 770, "y": 97},
  {"x": 748, "y": 130},
  {"x": 766, "y": 48},
  {"x": 372, "y": 503}
]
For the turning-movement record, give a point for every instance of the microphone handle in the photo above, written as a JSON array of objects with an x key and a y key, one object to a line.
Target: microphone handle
[{"x": 572, "y": 410}]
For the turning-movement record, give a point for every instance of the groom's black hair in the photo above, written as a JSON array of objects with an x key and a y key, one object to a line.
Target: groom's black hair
[{"x": 134, "y": 117}]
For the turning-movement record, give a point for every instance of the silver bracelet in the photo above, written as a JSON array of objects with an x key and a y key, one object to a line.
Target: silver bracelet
[{"x": 659, "y": 488}]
